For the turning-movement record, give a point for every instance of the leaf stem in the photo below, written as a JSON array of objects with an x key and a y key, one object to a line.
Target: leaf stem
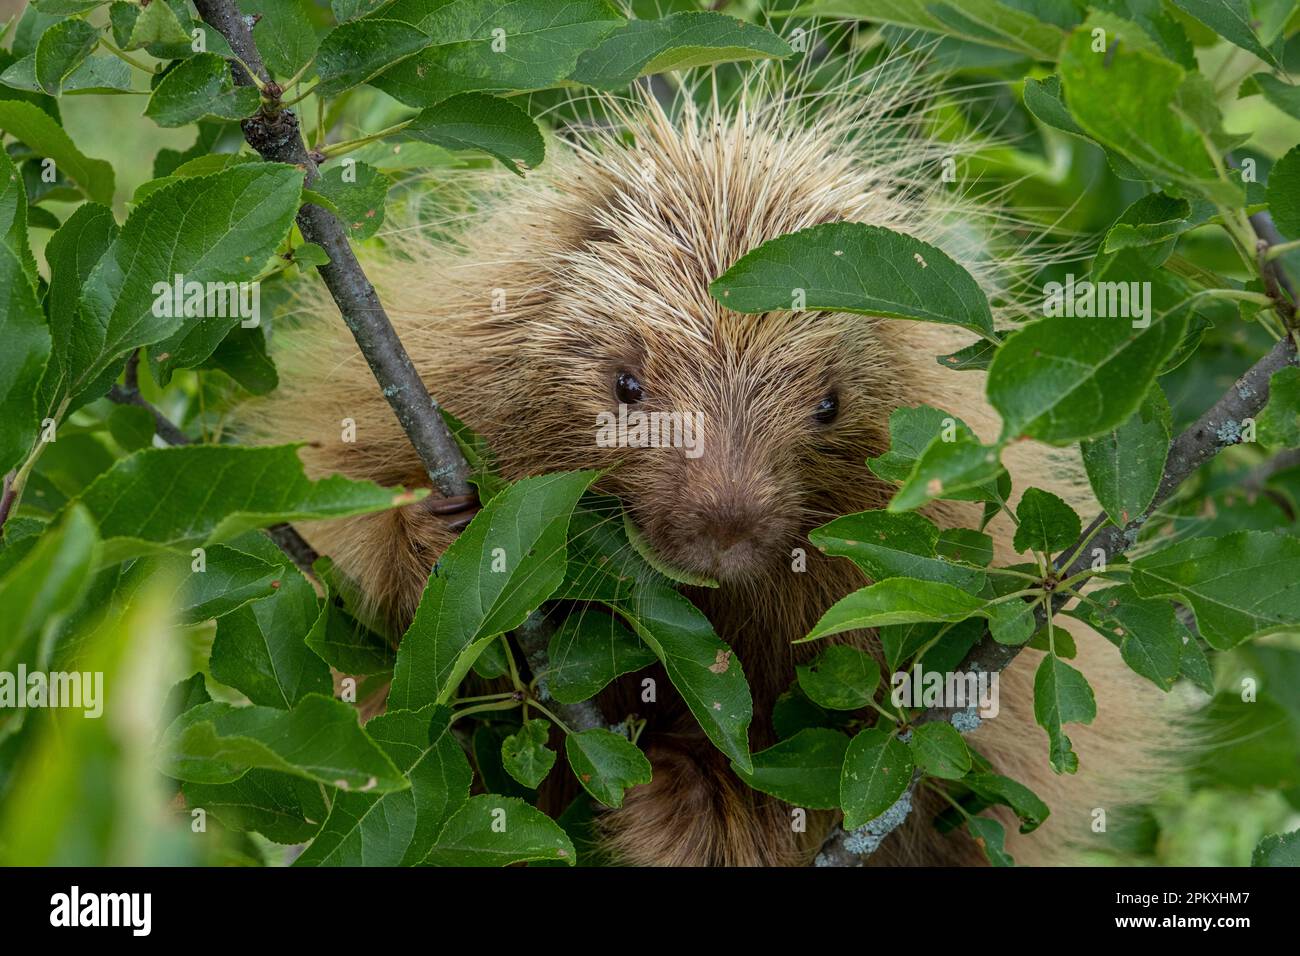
[
  {"x": 480, "y": 708},
  {"x": 534, "y": 702},
  {"x": 301, "y": 96},
  {"x": 125, "y": 57},
  {"x": 1279, "y": 250},
  {"x": 348, "y": 145}
]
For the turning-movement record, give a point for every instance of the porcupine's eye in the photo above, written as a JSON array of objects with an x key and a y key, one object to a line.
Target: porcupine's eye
[
  {"x": 627, "y": 389},
  {"x": 827, "y": 409}
]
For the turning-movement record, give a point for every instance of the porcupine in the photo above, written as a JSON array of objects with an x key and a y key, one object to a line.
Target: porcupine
[{"x": 604, "y": 257}]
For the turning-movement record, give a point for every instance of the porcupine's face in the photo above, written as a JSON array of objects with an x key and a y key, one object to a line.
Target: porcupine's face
[
  {"x": 779, "y": 427},
  {"x": 729, "y": 435}
]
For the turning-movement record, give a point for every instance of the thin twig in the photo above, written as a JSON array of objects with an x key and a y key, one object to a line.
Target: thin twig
[
  {"x": 7, "y": 500},
  {"x": 533, "y": 638},
  {"x": 274, "y": 133}
]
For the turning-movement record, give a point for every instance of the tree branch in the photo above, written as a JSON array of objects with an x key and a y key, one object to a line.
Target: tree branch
[
  {"x": 274, "y": 133},
  {"x": 533, "y": 638}
]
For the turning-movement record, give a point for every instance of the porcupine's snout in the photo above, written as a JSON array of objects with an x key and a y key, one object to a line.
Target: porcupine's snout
[{"x": 727, "y": 520}]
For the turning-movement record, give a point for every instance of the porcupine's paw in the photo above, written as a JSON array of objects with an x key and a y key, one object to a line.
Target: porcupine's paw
[
  {"x": 696, "y": 812},
  {"x": 457, "y": 511}
]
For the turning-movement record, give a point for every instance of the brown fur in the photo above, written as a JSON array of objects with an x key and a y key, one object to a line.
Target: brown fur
[{"x": 604, "y": 258}]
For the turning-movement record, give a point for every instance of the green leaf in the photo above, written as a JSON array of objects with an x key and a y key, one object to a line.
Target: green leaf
[
  {"x": 398, "y": 828},
  {"x": 1005, "y": 25},
  {"x": 200, "y": 88},
  {"x": 72, "y": 253},
  {"x": 511, "y": 557},
  {"x": 480, "y": 45},
  {"x": 359, "y": 50},
  {"x": 840, "y": 678},
  {"x": 132, "y": 427},
  {"x": 1232, "y": 20},
  {"x": 319, "y": 739},
  {"x": 1149, "y": 636},
  {"x": 1143, "y": 106},
  {"x": 1046, "y": 523},
  {"x": 676, "y": 42},
  {"x": 345, "y": 644},
  {"x": 1277, "y": 849},
  {"x": 588, "y": 651},
  {"x": 886, "y": 545},
  {"x": 1241, "y": 585},
  {"x": 877, "y": 769},
  {"x": 647, "y": 553},
  {"x": 36, "y": 129},
  {"x": 61, "y": 49},
  {"x": 974, "y": 357},
  {"x": 492, "y": 830},
  {"x": 1026, "y": 805},
  {"x": 155, "y": 23},
  {"x": 1152, "y": 225},
  {"x": 1193, "y": 664},
  {"x": 191, "y": 496},
  {"x": 284, "y": 35},
  {"x": 897, "y": 601},
  {"x": 965, "y": 545},
  {"x": 939, "y": 750},
  {"x": 345, "y": 10},
  {"x": 524, "y": 754},
  {"x": 260, "y": 648},
  {"x": 283, "y": 808},
  {"x": 1284, "y": 96},
  {"x": 852, "y": 267},
  {"x": 1283, "y": 192},
  {"x": 1061, "y": 696},
  {"x": 22, "y": 360},
  {"x": 912, "y": 430},
  {"x": 961, "y": 469},
  {"x": 242, "y": 355},
  {"x": 1125, "y": 466},
  {"x": 990, "y": 836},
  {"x": 1279, "y": 422},
  {"x": 213, "y": 229},
  {"x": 704, "y": 670},
  {"x": 54, "y": 7},
  {"x": 477, "y": 121},
  {"x": 14, "y": 213},
  {"x": 229, "y": 579},
  {"x": 1012, "y": 622},
  {"x": 45, "y": 586},
  {"x": 1050, "y": 382},
  {"x": 803, "y": 770},
  {"x": 606, "y": 764},
  {"x": 358, "y": 193},
  {"x": 1043, "y": 98}
]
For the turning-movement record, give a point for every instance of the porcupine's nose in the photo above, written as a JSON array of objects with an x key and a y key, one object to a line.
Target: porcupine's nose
[{"x": 729, "y": 526}]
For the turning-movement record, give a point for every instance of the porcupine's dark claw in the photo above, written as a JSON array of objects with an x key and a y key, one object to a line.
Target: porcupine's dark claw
[{"x": 459, "y": 509}]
